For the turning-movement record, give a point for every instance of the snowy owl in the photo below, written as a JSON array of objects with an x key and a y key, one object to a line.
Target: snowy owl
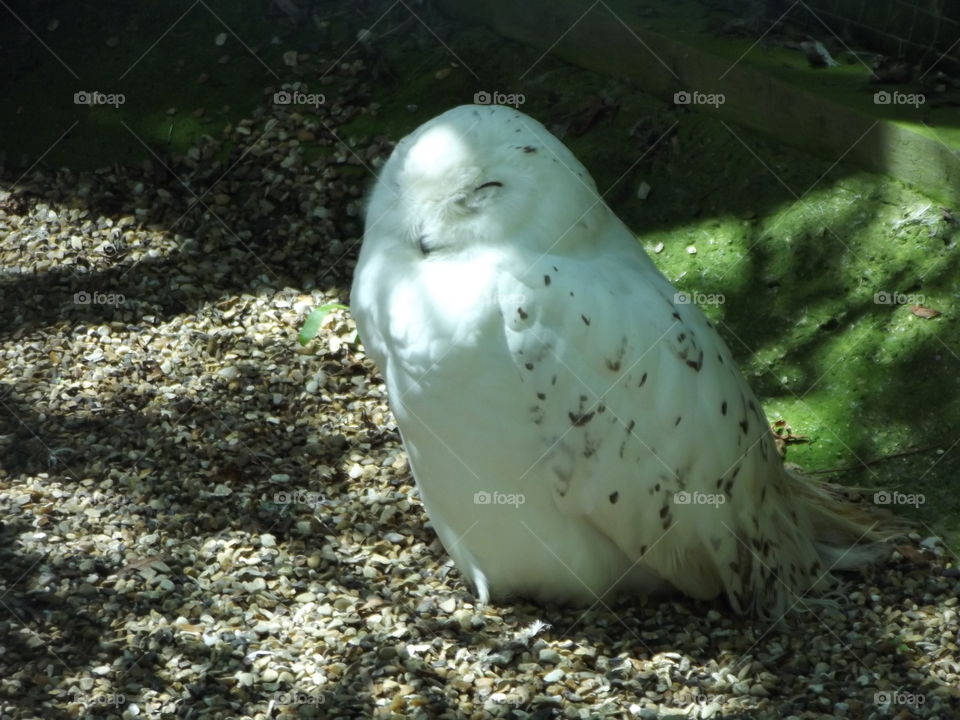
[{"x": 575, "y": 428}]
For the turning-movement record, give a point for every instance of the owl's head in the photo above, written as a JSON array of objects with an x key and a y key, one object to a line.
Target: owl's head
[{"x": 484, "y": 175}]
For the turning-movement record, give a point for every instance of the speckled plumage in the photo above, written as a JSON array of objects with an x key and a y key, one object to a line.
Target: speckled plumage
[{"x": 532, "y": 351}]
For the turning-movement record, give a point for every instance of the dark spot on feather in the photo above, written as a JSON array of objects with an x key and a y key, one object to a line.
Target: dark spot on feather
[
  {"x": 677, "y": 421},
  {"x": 643, "y": 379},
  {"x": 723, "y": 407},
  {"x": 728, "y": 488},
  {"x": 542, "y": 396},
  {"x": 492, "y": 183},
  {"x": 579, "y": 419},
  {"x": 613, "y": 365},
  {"x": 676, "y": 316},
  {"x": 664, "y": 511},
  {"x": 744, "y": 425},
  {"x": 529, "y": 149},
  {"x": 586, "y": 320},
  {"x": 602, "y": 408},
  {"x": 763, "y": 494},
  {"x": 719, "y": 482},
  {"x": 656, "y": 488},
  {"x": 546, "y": 279},
  {"x": 720, "y": 358},
  {"x": 696, "y": 364},
  {"x": 553, "y": 380},
  {"x": 643, "y": 549},
  {"x": 736, "y": 471},
  {"x": 614, "y": 496},
  {"x": 681, "y": 337},
  {"x": 523, "y": 315},
  {"x": 528, "y": 366}
]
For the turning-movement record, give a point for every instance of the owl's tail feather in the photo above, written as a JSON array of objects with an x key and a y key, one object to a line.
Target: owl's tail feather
[
  {"x": 816, "y": 530},
  {"x": 846, "y": 534}
]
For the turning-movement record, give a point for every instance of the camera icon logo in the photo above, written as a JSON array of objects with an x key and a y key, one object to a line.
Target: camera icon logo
[
  {"x": 282, "y": 97},
  {"x": 681, "y": 298},
  {"x": 882, "y": 498},
  {"x": 482, "y": 497},
  {"x": 681, "y": 98},
  {"x": 681, "y": 498},
  {"x": 82, "y": 298},
  {"x": 882, "y": 97},
  {"x": 481, "y": 98}
]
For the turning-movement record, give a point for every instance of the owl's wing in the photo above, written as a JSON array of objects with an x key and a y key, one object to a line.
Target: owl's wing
[{"x": 648, "y": 429}]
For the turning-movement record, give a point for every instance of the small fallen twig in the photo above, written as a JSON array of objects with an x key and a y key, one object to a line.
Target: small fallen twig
[{"x": 874, "y": 461}]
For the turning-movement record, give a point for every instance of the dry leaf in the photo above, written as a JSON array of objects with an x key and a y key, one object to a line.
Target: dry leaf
[
  {"x": 924, "y": 312},
  {"x": 783, "y": 435},
  {"x": 911, "y": 554}
]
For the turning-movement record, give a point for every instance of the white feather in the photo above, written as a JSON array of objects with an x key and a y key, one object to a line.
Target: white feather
[{"x": 536, "y": 358}]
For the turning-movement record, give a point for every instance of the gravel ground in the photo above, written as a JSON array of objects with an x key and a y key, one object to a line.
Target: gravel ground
[{"x": 202, "y": 519}]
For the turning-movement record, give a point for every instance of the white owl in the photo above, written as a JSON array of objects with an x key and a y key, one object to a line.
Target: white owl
[{"x": 575, "y": 429}]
